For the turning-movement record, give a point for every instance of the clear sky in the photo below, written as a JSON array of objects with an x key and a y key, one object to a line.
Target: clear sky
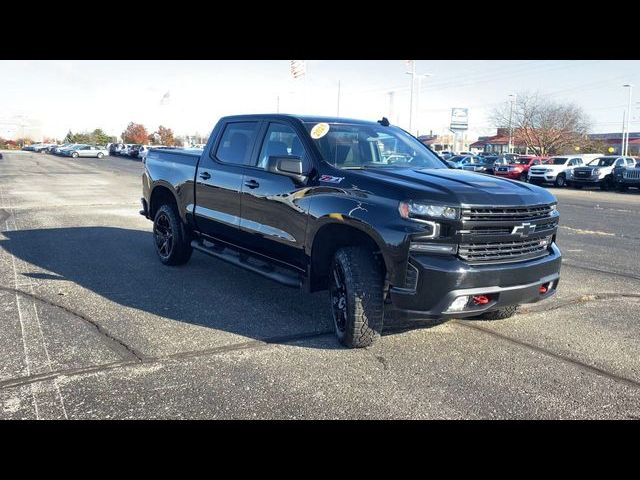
[{"x": 56, "y": 96}]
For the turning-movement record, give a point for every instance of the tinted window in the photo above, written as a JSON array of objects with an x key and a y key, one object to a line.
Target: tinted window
[
  {"x": 602, "y": 162},
  {"x": 370, "y": 146},
  {"x": 236, "y": 143},
  {"x": 281, "y": 141}
]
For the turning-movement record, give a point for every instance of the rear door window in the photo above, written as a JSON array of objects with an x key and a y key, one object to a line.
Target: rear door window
[{"x": 237, "y": 142}]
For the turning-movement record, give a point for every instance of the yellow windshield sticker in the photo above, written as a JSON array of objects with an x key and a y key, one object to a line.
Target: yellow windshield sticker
[{"x": 319, "y": 130}]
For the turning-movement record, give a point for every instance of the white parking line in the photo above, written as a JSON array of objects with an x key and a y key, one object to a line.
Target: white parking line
[
  {"x": 28, "y": 324},
  {"x": 588, "y": 232}
]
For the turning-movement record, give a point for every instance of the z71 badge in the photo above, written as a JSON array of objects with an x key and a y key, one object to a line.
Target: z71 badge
[{"x": 330, "y": 179}]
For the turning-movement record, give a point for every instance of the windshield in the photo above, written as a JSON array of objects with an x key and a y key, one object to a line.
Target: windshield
[
  {"x": 559, "y": 161},
  {"x": 602, "y": 162},
  {"x": 354, "y": 146}
]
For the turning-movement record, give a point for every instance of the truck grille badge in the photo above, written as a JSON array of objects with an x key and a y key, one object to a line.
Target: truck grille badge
[{"x": 523, "y": 230}]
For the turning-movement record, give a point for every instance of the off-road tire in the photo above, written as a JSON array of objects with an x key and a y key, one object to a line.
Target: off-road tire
[
  {"x": 180, "y": 250},
  {"x": 359, "y": 322},
  {"x": 499, "y": 314}
]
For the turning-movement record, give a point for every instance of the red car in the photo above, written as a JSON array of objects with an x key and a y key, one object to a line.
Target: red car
[{"x": 519, "y": 167}]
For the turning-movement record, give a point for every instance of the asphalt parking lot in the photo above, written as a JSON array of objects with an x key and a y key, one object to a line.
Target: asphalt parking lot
[{"x": 93, "y": 326}]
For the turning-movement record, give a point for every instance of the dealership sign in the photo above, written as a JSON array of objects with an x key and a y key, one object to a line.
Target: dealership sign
[{"x": 459, "y": 119}]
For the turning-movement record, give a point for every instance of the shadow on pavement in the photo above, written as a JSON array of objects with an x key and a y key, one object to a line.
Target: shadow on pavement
[{"x": 121, "y": 265}]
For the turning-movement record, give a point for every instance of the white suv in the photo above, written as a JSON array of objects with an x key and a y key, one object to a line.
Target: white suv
[
  {"x": 559, "y": 169},
  {"x": 555, "y": 171}
]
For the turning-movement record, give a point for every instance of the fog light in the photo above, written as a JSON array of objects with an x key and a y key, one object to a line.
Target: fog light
[{"x": 458, "y": 304}]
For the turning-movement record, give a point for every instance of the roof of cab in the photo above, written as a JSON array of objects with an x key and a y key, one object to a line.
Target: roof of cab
[{"x": 302, "y": 118}]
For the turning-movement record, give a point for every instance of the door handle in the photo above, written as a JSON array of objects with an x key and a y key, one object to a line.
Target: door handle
[
  {"x": 205, "y": 175},
  {"x": 252, "y": 184}
]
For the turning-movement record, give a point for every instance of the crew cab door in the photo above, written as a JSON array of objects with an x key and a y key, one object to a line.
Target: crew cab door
[
  {"x": 274, "y": 208},
  {"x": 218, "y": 180}
]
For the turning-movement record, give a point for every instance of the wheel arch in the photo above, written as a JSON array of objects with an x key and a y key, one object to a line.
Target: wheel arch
[
  {"x": 161, "y": 194},
  {"x": 332, "y": 235}
]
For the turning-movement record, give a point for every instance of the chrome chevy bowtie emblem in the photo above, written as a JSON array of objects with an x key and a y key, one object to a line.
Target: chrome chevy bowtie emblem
[{"x": 523, "y": 230}]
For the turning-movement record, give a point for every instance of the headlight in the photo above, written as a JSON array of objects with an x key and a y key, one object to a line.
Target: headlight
[
  {"x": 596, "y": 171},
  {"x": 410, "y": 210}
]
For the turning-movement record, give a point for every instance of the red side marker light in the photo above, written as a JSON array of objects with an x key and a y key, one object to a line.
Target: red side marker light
[
  {"x": 543, "y": 289},
  {"x": 480, "y": 300}
]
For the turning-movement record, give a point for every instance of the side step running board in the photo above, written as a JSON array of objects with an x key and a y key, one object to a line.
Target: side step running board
[{"x": 240, "y": 260}]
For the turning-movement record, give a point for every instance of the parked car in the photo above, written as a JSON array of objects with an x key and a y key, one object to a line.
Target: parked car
[
  {"x": 479, "y": 165},
  {"x": 323, "y": 208},
  {"x": 627, "y": 176},
  {"x": 58, "y": 149},
  {"x": 598, "y": 172},
  {"x": 85, "y": 151},
  {"x": 518, "y": 169},
  {"x": 41, "y": 147},
  {"x": 450, "y": 163},
  {"x": 555, "y": 171},
  {"x": 460, "y": 160},
  {"x": 134, "y": 149},
  {"x": 446, "y": 154}
]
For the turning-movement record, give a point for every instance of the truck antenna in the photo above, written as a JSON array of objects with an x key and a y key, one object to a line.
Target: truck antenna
[{"x": 384, "y": 122}]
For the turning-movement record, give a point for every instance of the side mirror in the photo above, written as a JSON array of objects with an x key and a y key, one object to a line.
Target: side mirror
[{"x": 289, "y": 166}]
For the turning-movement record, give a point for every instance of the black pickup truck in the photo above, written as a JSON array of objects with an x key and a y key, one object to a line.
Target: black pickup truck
[{"x": 362, "y": 209}]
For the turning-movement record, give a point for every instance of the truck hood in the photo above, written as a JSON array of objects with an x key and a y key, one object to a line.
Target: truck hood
[{"x": 457, "y": 187}]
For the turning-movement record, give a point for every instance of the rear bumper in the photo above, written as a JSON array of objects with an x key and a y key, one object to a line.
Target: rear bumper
[{"x": 443, "y": 279}]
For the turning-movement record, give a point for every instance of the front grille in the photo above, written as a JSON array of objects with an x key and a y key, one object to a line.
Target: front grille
[
  {"x": 494, "y": 252},
  {"x": 632, "y": 173},
  {"x": 519, "y": 214},
  {"x": 491, "y": 230},
  {"x": 582, "y": 173}
]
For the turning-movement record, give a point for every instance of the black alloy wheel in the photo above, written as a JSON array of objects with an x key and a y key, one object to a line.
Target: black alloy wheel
[
  {"x": 163, "y": 234},
  {"x": 338, "y": 292}
]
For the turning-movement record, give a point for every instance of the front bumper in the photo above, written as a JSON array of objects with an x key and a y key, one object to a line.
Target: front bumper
[
  {"x": 543, "y": 178},
  {"x": 512, "y": 175},
  {"x": 628, "y": 182},
  {"x": 442, "y": 279},
  {"x": 585, "y": 180}
]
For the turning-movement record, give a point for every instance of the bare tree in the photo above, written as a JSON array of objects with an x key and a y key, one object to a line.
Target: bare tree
[{"x": 544, "y": 126}]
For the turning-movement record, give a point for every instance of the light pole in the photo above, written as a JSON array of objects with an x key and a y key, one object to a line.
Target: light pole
[
  {"x": 513, "y": 100},
  {"x": 625, "y": 139},
  {"x": 420, "y": 77},
  {"x": 412, "y": 72}
]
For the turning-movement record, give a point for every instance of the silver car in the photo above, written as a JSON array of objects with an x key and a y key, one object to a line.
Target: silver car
[{"x": 86, "y": 151}]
